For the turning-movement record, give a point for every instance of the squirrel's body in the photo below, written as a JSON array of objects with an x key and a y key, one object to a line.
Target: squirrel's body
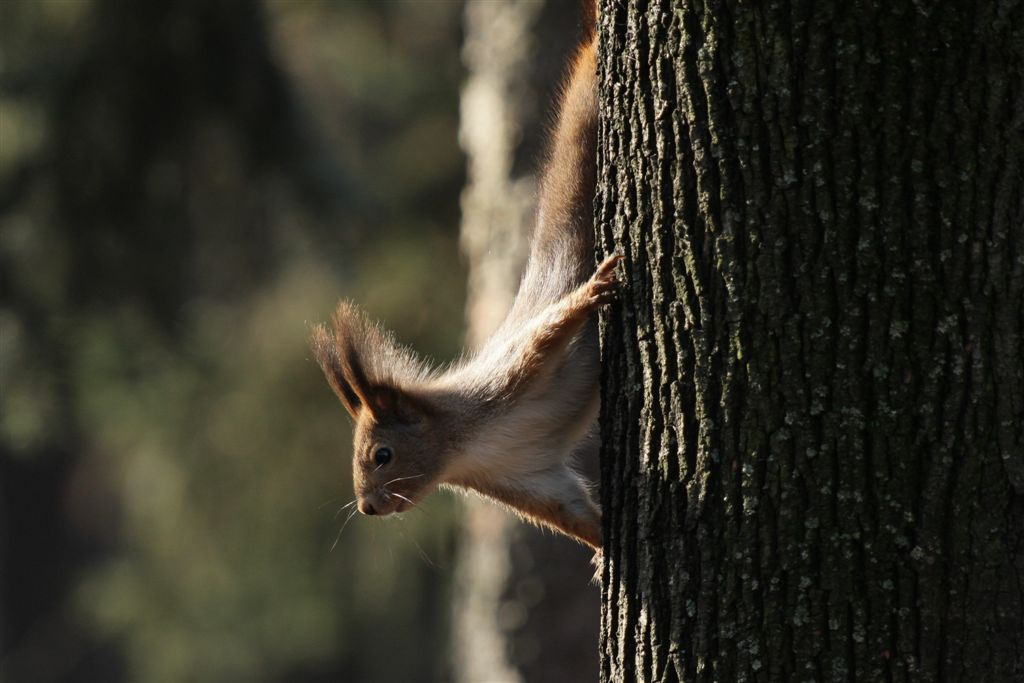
[{"x": 507, "y": 420}]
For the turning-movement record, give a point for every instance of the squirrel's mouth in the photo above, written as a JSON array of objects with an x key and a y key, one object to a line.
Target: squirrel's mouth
[
  {"x": 400, "y": 502},
  {"x": 404, "y": 502}
]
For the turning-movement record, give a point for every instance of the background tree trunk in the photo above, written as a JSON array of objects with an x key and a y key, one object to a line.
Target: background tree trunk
[
  {"x": 523, "y": 608},
  {"x": 814, "y": 414}
]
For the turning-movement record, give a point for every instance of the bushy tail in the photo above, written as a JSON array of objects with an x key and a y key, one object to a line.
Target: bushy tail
[{"x": 562, "y": 248}]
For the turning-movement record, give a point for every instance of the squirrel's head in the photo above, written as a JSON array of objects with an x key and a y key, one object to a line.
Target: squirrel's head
[{"x": 398, "y": 445}]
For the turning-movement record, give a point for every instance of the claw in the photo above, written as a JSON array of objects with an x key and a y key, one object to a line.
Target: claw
[
  {"x": 608, "y": 265},
  {"x": 603, "y": 283}
]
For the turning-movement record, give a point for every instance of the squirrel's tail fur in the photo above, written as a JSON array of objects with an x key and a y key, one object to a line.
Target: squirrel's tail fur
[
  {"x": 588, "y": 18},
  {"x": 562, "y": 248}
]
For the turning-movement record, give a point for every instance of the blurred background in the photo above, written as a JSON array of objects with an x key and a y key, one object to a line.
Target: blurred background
[{"x": 185, "y": 186}]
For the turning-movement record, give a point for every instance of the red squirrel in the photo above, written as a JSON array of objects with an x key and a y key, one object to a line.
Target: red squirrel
[{"x": 508, "y": 419}]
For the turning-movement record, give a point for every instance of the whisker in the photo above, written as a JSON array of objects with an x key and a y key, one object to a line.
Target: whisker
[
  {"x": 342, "y": 508},
  {"x": 401, "y": 479},
  {"x": 401, "y": 497},
  {"x": 423, "y": 553},
  {"x": 347, "y": 520},
  {"x": 326, "y": 503}
]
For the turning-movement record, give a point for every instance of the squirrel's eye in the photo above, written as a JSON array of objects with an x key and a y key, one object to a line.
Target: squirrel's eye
[{"x": 383, "y": 456}]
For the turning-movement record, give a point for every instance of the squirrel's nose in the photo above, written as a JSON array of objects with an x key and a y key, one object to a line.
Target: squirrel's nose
[{"x": 366, "y": 508}]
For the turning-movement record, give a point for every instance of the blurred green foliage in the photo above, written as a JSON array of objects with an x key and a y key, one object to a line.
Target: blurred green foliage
[{"x": 184, "y": 187}]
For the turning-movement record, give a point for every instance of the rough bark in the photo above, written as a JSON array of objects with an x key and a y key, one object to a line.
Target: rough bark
[
  {"x": 523, "y": 609},
  {"x": 814, "y": 382}
]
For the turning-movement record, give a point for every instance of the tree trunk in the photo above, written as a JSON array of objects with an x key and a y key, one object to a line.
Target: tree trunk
[
  {"x": 814, "y": 382},
  {"x": 523, "y": 608}
]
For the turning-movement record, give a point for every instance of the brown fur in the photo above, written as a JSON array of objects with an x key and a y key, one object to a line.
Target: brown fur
[{"x": 508, "y": 419}]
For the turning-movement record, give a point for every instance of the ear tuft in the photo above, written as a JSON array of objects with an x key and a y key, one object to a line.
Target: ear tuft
[
  {"x": 367, "y": 369},
  {"x": 325, "y": 350}
]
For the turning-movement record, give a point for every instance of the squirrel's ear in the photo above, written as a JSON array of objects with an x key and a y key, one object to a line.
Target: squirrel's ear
[
  {"x": 348, "y": 375},
  {"x": 391, "y": 403},
  {"x": 326, "y": 351},
  {"x": 364, "y": 366}
]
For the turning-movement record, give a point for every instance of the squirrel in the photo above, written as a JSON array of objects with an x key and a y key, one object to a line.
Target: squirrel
[{"x": 508, "y": 419}]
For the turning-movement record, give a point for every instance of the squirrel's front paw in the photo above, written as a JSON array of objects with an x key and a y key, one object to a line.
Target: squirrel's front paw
[{"x": 602, "y": 284}]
